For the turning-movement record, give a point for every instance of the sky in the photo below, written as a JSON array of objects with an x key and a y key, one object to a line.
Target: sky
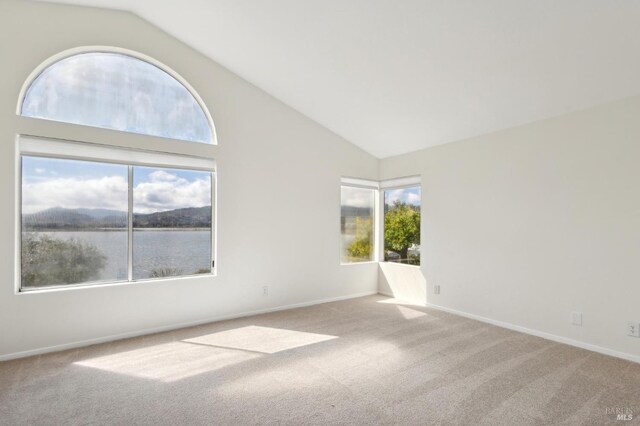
[
  {"x": 356, "y": 197},
  {"x": 406, "y": 195},
  {"x": 48, "y": 183},
  {"x": 115, "y": 91}
]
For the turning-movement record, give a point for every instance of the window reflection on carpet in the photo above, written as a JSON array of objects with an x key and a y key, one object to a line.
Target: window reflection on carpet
[{"x": 265, "y": 340}]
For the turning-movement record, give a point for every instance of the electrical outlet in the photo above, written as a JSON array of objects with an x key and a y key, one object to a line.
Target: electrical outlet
[
  {"x": 576, "y": 318},
  {"x": 633, "y": 329},
  {"x": 265, "y": 290},
  {"x": 436, "y": 289}
]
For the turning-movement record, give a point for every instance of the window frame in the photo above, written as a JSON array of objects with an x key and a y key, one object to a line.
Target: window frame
[
  {"x": 117, "y": 50},
  {"x": 375, "y": 188},
  {"x": 40, "y": 147},
  {"x": 391, "y": 185},
  {"x": 169, "y": 153}
]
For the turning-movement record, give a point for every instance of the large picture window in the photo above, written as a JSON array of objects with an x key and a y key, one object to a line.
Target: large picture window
[
  {"x": 95, "y": 211},
  {"x": 357, "y": 224},
  {"x": 87, "y": 222}
]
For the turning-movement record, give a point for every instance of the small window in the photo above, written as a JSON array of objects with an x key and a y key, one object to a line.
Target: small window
[
  {"x": 357, "y": 224},
  {"x": 402, "y": 225},
  {"x": 120, "y": 92}
]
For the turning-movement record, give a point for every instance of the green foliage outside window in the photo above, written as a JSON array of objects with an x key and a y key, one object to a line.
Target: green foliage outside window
[
  {"x": 402, "y": 232},
  {"x": 52, "y": 261},
  {"x": 361, "y": 247}
]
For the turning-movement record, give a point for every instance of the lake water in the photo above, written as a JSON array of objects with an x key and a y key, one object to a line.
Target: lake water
[{"x": 183, "y": 251}]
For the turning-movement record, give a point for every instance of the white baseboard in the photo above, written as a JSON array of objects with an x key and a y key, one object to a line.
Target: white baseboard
[
  {"x": 81, "y": 343},
  {"x": 548, "y": 336}
]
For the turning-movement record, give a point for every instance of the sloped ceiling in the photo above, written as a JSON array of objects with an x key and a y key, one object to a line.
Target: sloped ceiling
[{"x": 394, "y": 76}]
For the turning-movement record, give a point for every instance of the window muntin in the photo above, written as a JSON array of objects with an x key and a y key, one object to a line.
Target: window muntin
[
  {"x": 76, "y": 227},
  {"x": 171, "y": 222},
  {"x": 402, "y": 225},
  {"x": 120, "y": 92},
  {"x": 357, "y": 224}
]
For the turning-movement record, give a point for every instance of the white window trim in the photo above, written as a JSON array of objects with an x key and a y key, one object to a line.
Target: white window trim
[
  {"x": 363, "y": 184},
  {"x": 380, "y": 187},
  {"x": 400, "y": 183},
  {"x": 91, "y": 143},
  {"x": 390, "y": 185},
  {"x": 73, "y": 150},
  {"x": 59, "y": 148},
  {"x": 111, "y": 49},
  {"x": 359, "y": 183}
]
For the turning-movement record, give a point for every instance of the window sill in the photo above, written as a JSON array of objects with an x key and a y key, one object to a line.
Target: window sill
[
  {"x": 71, "y": 287},
  {"x": 368, "y": 262},
  {"x": 402, "y": 264}
]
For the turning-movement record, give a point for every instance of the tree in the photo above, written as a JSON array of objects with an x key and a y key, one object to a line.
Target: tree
[
  {"x": 360, "y": 248},
  {"x": 49, "y": 261},
  {"x": 401, "y": 228}
]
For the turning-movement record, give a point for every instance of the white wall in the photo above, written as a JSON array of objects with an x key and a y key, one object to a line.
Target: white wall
[
  {"x": 526, "y": 225},
  {"x": 403, "y": 282},
  {"x": 278, "y": 193}
]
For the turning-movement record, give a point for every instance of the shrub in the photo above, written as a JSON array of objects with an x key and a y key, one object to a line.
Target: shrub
[
  {"x": 47, "y": 260},
  {"x": 165, "y": 272},
  {"x": 360, "y": 248}
]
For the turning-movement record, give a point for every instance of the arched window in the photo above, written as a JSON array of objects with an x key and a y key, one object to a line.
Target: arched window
[
  {"x": 120, "y": 92},
  {"x": 102, "y": 211}
]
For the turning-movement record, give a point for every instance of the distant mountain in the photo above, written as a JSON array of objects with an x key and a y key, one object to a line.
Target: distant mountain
[
  {"x": 61, "y": 218},
  {"x": 351, "y": 211},
  {"x": 190, "y": 217},
  {"x": 58, "y": 217},
  {"x": 101, "y": 213}
]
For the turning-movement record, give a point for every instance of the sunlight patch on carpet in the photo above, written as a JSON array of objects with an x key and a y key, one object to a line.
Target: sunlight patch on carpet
[
  {"x": 168, "y": 362},
  {"x": 395, "y": 301},
  {"x": 402, "y": 306},
  {"x": 409, "y": 313},
  {"x": 264, "y": 340}
]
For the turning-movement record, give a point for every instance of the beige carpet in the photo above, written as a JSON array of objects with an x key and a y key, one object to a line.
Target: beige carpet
[{"x": 364, "y": 361}]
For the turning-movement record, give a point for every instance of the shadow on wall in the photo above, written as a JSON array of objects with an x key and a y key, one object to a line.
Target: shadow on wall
[{"x": 403, "y": 282}]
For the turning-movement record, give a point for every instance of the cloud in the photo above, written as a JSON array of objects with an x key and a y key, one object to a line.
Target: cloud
[
  {"x": 357, "y": 197},
  {"x": 109, "y": 192},
  {"x": 163, "y": 191},
  {"x": 408, "y": 196},
  {"x": 413, "y": 198},
  {"x": 166, "y": 191},
  {"x": 162, "y": 176},
  {"x": 125, "y": 94}
]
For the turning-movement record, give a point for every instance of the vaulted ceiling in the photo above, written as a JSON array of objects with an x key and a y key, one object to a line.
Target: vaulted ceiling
[{"x": 394, "y": 76}]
